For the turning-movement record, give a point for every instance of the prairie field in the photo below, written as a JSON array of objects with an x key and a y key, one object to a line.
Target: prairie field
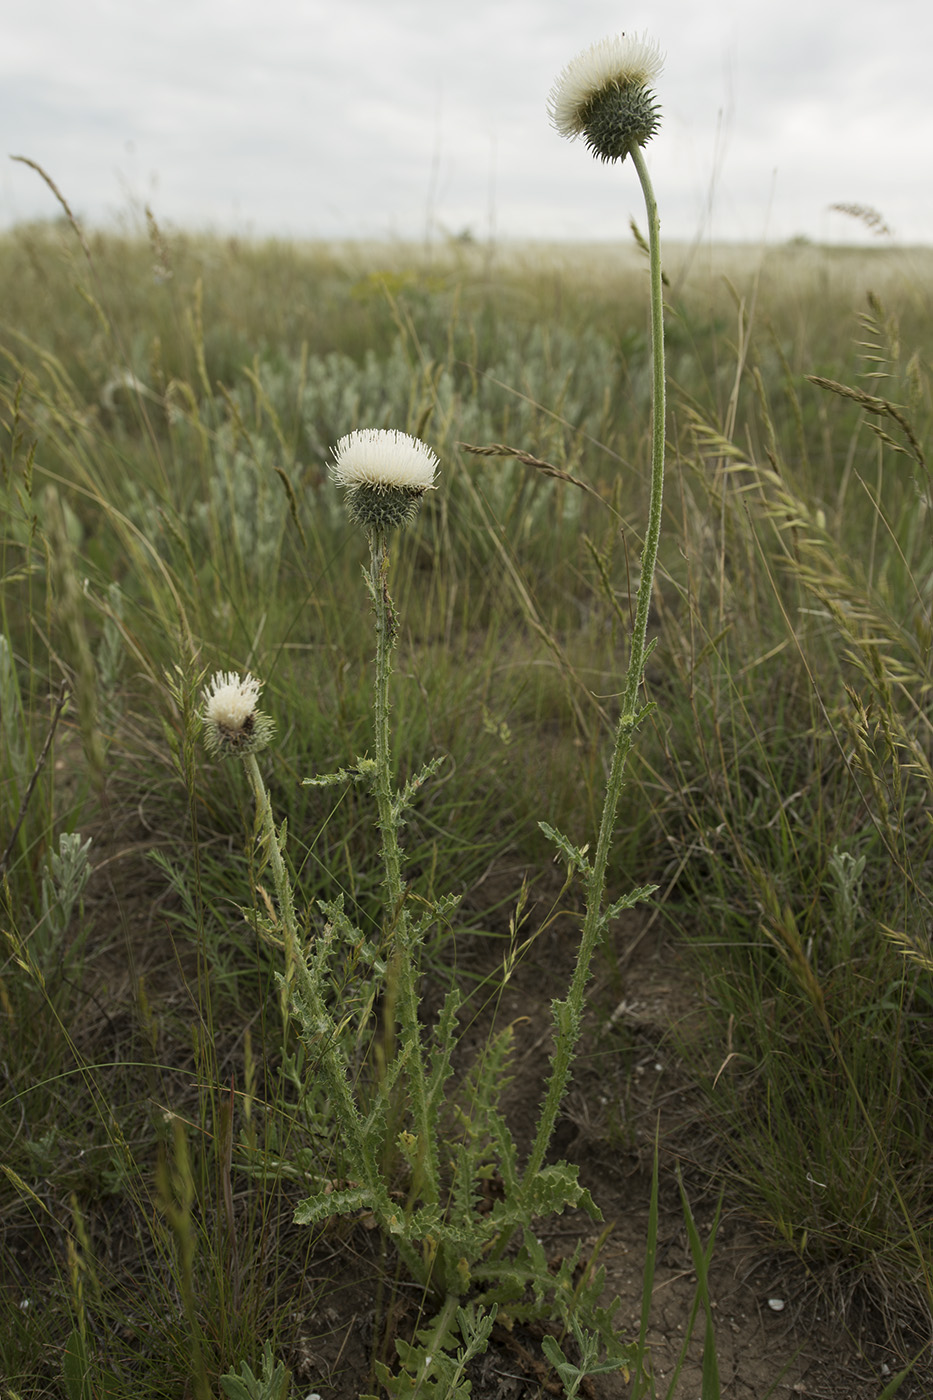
[{"x": 751, "y": 1104}]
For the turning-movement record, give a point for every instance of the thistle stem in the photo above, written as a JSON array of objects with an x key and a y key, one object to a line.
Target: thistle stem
[
  {"x": 636, "y": 668},
  {"x": 569, "y": 1013},
  {"x": 383, "y": 783},
  {"x": 283, "y": 885},
  {"x": 398, "y": 921}
]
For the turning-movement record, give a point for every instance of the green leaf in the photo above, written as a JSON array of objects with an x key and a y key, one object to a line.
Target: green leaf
[
  {"x": 651, "y": 1254},
  {"x": 428, "y": 1368},
  {"x": 75, "y": 1368},
  {"x": 710, "y": 1389},
  {"x": 272, "y": 1383},
  {"x": 475, "y": 1329},
  {"x": 234, "y": 1388},
  {"x": 555, "y": 1188},
  {"x": 570, "y": 1375},
  {"x": 405, "y": 797},
  {"x": 575, "y": 856},
  {"x": 363, "y": 769},
  {"x": 628, "y": 901},
  {"x": 325, "y": 1204}
]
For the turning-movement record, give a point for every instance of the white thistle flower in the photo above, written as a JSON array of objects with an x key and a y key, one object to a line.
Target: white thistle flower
[
  {"x": 385, "y": 474},
  {"x": 233, "y": 726},
  {"x": 603, "y": 95}
]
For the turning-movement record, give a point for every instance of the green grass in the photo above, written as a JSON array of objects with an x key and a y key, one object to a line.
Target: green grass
[{"x": 165, "y": 505}]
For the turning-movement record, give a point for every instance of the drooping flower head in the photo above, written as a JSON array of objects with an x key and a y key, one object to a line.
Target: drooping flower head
[
  {"x": 385, "y": 475},
  {"x": 604, "y": 95},
  {"x": 233, "y": 726}
]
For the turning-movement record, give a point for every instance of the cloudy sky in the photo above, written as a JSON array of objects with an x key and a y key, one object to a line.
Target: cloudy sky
[{"x": 412, "y": 118}]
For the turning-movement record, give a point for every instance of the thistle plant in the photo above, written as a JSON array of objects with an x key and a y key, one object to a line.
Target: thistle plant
[
  {"x": 409, "y": 1152},
  {"x": 385, "y": 476},
  {"x": 605, "y": 95}
]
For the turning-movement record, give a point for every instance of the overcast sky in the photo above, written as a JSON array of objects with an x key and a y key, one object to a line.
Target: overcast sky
[{"x": 402, "y": 118}]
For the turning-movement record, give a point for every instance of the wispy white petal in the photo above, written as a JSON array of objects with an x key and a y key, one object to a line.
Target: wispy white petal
[
  {"x": 229, "y": 699},
  {"x": 623, "y": 61},
  {"x": 380, "y": 458},
  {"x": 232, "y": 723}
]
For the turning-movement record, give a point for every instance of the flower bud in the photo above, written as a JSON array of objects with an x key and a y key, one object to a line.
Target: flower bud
[
  {"x": 604, "y": 95},
  {"x": 385, "y": 475},
  {"x": 233, "y": 726}
]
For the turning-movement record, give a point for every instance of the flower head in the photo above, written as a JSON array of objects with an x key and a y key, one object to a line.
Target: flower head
[
  {"x": 604, "y": 95},
  {"x": 233, "y": 727},
  {"x": 385, "y": 475}
]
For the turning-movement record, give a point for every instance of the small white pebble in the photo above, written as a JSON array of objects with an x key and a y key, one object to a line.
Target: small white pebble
[{"x": 776, "y": 1304}]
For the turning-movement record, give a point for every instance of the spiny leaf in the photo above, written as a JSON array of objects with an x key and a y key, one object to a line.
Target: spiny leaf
[
  {"x": 628, "y": 901},
  {"x": 575, "y": 856},
  {"x": 325, "y": 1204}
]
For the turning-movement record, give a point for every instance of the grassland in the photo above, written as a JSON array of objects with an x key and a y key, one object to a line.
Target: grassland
[{"x": 168, "y": 408}]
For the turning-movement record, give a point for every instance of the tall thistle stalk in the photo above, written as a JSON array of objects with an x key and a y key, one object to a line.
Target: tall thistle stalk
[
  {"x": 385, "y": 476},
  {"x": 604, "y": 95}
]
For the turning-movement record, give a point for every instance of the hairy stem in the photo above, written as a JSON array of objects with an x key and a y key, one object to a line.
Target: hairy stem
[
  {"x": 383, "y": 778},
  {"x": 398, "y": 920},
  {"x": 569, "y": 1013}
]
